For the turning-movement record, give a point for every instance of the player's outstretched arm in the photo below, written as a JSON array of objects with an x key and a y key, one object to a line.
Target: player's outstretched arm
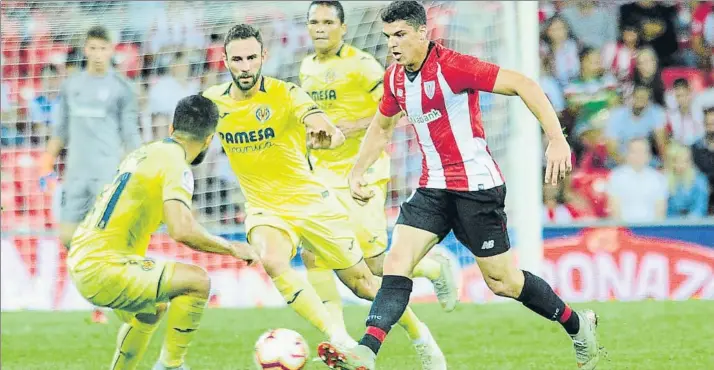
[
  {"x": 558, "y": 153},
  {"x": 375, "y": 141},
  {"x": 184, "y": 228},
  {"x": 350, "y": 128}
]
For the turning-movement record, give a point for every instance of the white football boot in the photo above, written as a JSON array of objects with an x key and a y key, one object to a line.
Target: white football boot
[
  {"x": 587, "y": 349},
  {"x": 447, "y": 292},
  {"x": 429, "y": 352}
]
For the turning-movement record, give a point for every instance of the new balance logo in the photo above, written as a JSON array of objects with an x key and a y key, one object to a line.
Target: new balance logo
[
  {"x": 295, "y": 296},
  {"x": 487, "y": 244}
]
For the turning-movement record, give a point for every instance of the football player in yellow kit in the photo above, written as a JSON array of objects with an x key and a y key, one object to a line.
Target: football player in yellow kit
[
  {"x": 107, "y": 261},
  {"x": 347, "y": 85},
  {"x": 264, "y": 127}
]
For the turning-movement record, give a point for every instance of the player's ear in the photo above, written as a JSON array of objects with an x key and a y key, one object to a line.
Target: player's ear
[
  {"x": 225, "y": 60},
  {"x": 264, "y": 54},
  {"x": 343, "y": 28},
  {"x": 422, "y": 32},
  {"x": 171, "y": 129}
]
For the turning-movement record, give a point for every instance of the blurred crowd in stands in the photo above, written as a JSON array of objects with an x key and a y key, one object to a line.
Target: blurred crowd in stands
[
  {"x": 168, "y": 50},
  {"x": 632, "y": 83}
]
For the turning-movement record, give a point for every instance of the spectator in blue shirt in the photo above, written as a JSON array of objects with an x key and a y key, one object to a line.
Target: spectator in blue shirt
[
  {"x": 641, "y": 119},
  {"x": 688, "y": 187}
]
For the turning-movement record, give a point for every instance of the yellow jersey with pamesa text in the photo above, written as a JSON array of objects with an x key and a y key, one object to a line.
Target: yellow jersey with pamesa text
[
  {"x": 348, "y": 87},
  {"x": 131, "y": 208},
  {"x": 265, "y": 140}
]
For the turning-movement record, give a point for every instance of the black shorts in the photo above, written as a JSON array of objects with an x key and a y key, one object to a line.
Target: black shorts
[{"x": 477, "y": 218}]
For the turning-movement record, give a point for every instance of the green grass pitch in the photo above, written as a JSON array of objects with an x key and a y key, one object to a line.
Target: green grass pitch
[{"x": 639, "y": 336}]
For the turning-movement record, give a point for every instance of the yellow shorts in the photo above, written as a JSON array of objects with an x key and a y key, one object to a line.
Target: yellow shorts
[
  {"x": 369, "y": 221},
  {"x": 324, "y": 229},
  {"x": 130, "y": 283}
]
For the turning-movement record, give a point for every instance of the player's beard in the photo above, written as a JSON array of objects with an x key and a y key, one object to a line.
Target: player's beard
[{"x": 254, "y": 79}]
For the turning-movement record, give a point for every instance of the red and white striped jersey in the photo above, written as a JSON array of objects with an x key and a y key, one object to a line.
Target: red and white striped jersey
[{"x": 442, "y": 103}]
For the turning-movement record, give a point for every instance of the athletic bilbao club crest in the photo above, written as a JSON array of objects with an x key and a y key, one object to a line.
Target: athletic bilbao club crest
[
  {"x": 430, "y": 88},
  {"x": 262, "y": 114}
]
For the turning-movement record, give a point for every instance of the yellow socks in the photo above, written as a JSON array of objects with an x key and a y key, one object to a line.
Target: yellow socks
[
  {"x": 132, "y": 342},
  {"x": 427, "y": 268},
  {"x": 185, "y": 314},
  {"x": 410, "y": 322},
  {"x": 302, "y": 297},
  {"x": 323, "y": 281}
]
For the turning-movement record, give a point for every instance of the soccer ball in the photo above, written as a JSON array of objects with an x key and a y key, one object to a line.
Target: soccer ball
[{"x": 281, "y": 349}]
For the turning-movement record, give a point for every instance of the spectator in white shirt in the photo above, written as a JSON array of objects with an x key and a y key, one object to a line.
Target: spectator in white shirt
[
  {"x": 637, "y": 193},
  {"x": 168, "y": 90},
  {"x": 619, "y": 57},
  {"x": 686, "y": 128},
  {"x": 592, "y": 25}
]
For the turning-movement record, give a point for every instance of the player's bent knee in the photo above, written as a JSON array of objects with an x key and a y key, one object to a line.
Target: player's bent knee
[
  {"x": 275, "y": 265},
  {"x": 275, "y": 247},
  {"x": 498, "y": 287},
  {"x": 308, "y": 259},
  {"x": 376, "y": 264},
  {"x": 502, "y": 284},
  {"x": 501, "y": 276},
  {"x": 152, "y": 319},
  {"x": 397, "y": 264},
  {"x": 367, "y": 287},
  {"x": 190, "y": 280},
  {"x": 360, "y": 280}
]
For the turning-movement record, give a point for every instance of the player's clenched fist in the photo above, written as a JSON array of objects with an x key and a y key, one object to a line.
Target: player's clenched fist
[
  {"x": 559, "y": 162},
  {"x": 358, "y": 187},
  {"x": 321, "y": 133},
  {"x": 245, "y": 252},
  {"x": 322, "y": 139}
]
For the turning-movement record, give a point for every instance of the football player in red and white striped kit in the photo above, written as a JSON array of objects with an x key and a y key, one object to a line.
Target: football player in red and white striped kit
[{"x": 461, "y": 187}]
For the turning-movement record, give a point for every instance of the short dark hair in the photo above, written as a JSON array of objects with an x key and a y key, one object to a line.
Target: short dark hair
[
  {"x": 585, "y": 52},
  {"x": 98, "y": 32},
  {"x": 411, "y": 12},
  {"x": 681, "y": 82},
  {"x": 334, "y": 4},
  {"x": 243, "y": 32},
  {"x": 196, "y": 116}
]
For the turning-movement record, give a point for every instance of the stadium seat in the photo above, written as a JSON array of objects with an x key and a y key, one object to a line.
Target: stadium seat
[
  {"x": 41, "y": 54},
  {"x": 697, "y": 79},
  {"x": 591, "y": 185},
  {"x": 214, "y": 57},
  {"x": 128, "y": 59},
  {"x": 24, "y": 204}
]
